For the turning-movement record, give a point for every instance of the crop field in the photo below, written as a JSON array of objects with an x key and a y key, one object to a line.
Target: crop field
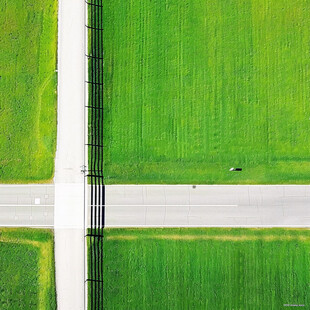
[
  {"x": 193, "y": 88},
  {"x": 202, "y": 269},
  {"x": 28, "y": 82},
  {"x": 27, "y": 271}
]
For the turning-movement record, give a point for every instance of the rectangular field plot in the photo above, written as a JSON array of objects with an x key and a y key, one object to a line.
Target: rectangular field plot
[
  {"x": 193, "y": 88},
  {"x": 28, "y": 90},
  {"x": 27, "y": 271},
  {"x": 200, "y": 269}
]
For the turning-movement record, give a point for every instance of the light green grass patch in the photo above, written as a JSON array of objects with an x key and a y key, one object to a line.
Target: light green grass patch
[
  {"x": 28, "y": 90},
  {"x": 193, "y": 88},
  {"x": 203, "y": 268},
  {"x": 27, "y": 269}
]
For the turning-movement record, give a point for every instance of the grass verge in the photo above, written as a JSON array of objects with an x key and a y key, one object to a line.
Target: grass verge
[
  {"x": 28, "y": 90},
  {"x": 203, "y": 268},
  {"x": 27, "y": 269}
]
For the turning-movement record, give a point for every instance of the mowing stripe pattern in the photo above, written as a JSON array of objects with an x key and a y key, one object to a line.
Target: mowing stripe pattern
[
  {"x": 194, "y": 88},
  {"x": 95, "y": 151}
]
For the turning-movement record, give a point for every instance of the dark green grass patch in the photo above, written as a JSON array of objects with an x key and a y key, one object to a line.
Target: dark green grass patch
[
  {"x": 27, "y": 271},
  {"x": 193, "y": 88},
  {"x": 204, "y": 268},
  {"x": 28, "y": 39}
]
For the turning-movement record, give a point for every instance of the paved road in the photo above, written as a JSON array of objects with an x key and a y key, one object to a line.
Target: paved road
[
  {"x": 69, "y": 181},
  {"x": 27, "y": 205},
  {"x": 154, "y": 205}
]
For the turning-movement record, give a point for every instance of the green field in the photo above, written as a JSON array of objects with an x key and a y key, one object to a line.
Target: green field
[
  {"x": 205, "y": 269},
  {"x": 193, "y": 88},
  {"x": 28, "y": 82},
  {"x": 27, "y": 270}
]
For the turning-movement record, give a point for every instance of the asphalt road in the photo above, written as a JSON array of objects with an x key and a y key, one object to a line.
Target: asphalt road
[
  {"x": 215, "y": 205},
  {"x": 27, "y": 205},
  {"x": 69, "y": 181},
  {"x": 168, "y": 205}
]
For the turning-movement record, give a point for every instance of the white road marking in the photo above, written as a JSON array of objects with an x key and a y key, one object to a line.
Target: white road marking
[
  {"x": 33, "y": 226},
  {"x": 168, "y": 205},
  {"x": 206, "y": 226},
  {"x": 18, "y": 205}
]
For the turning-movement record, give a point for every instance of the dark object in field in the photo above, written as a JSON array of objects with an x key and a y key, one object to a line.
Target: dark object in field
[{"x": 235, "y": 169}]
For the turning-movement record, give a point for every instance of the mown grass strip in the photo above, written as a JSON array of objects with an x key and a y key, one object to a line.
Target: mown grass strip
[
  {"x": 220, "y": 238},
  {"x": 38, "y": 291},
  {"x": 28, "y": 98},
  {"x": 212, "y": 268},
  {"x": 192, "y": 89}
]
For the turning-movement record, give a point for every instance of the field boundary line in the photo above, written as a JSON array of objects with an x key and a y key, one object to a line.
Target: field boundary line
[
  {"x": 168, "y": 205},
  {"x": 18, "y": 205},
  {"x": 202, "y": 185},
  {"x": 206, "y": 226},
  {"x": 28, "y": 185},
  {"x": 27, "y": 225}
]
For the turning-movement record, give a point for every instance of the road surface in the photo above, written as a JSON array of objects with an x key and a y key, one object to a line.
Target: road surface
[
  {"x": 27, "y": 205},
  {"x": 207, "y": 205},
  {"x": 69, "y": 181}
]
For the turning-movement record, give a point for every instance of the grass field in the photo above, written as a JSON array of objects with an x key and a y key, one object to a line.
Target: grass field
[
  {"x": 27, "y": 270},
  {"x": 205, "y": 268},
  {"x": 28, "y": 90},
  {"x": 193, "y": 88}
]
